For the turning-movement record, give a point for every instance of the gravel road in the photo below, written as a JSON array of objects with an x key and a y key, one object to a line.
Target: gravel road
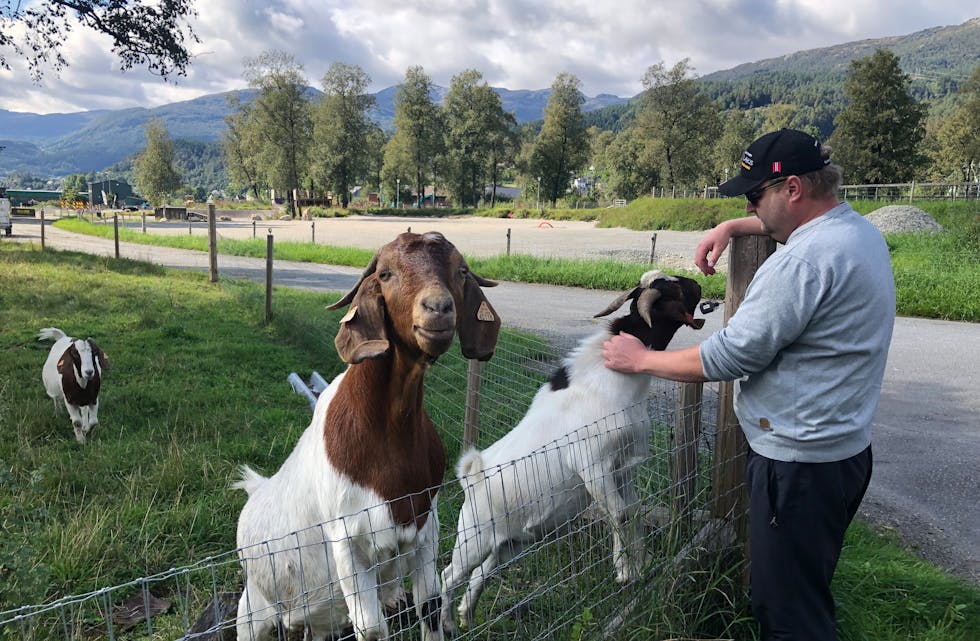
[{"x": 927, "y": 434}]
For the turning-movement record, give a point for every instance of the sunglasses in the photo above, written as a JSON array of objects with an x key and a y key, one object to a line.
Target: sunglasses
[{"x": 755, "y": 195}]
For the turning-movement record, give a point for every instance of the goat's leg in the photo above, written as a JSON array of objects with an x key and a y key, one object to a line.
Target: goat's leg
[
  {"x": 425, "y": 579},
  {"x": 478, "y": 578},
  {"x": 473, "y": 545},
  {"x": 250, "y": 627},
  {"x": 600, "y": 481},
  {"x": 359, "y": 583}
]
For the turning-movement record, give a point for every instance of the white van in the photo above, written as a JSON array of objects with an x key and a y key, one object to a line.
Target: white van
[{"x": 6, "y": 226}]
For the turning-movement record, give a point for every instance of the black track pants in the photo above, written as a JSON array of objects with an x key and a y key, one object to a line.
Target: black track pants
[{"x": 798, "y": 513}]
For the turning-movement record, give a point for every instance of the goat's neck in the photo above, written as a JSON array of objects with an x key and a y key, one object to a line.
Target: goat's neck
[
  {"x": 656, "y": 337},
  {"x": 391, "y": 385}
]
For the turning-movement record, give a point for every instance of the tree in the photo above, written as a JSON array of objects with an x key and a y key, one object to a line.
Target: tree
[
  {"x": 632, "y": 169},
  {"x": 679, "y": 121},
  {"x": 340, "y": 130},
  {"x": 879, "y": 130},
  {"x": 562, "y": 146},
  {"x": 147, "y": 32},
  {"x": 736, "y": 135},
  {"x": 282, "y": 117},
  {"x": 413, "y": 149},
  {"x": 239, "y": 141},
  {"x": 71, "y": 187},
  {"x": 956, "y": 155},
  {"x": 155, "y": 168},
  {"x": 476, "y": 133}
]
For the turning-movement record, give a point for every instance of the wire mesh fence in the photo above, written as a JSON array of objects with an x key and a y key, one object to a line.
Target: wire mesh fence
[{"x": 661, "y": 566}]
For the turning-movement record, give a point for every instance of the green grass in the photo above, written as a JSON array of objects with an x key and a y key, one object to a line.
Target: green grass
[
  {"x": 936, "y": 275},
  {"x": 197, "y": 387}
]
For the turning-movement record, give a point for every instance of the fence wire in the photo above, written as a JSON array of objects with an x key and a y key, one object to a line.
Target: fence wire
[{"x": 550, "y": 556}]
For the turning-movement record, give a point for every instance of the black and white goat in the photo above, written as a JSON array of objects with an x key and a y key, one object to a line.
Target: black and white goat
[
  {"x": 72, "y": 376},
  {"x": 586, "y": 429}
]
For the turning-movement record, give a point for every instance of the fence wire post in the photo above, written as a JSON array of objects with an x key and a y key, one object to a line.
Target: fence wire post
[
  {"x": 268, "y": 277},
  {"x": 212, "y": 245},
  {"x": 508, "y": 241},
  {"x": 653, "y": 247},
  {"x": 115, "y": 232}
]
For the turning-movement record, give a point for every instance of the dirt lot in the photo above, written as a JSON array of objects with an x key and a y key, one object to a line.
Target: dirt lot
[{"x": 473, "y": 236}]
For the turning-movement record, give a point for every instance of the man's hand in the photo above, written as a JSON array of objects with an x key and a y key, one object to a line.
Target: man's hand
[{"x": 624, "y": 353}]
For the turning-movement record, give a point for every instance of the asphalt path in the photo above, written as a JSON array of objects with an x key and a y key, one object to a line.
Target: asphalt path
[{"x": 926, "y": 432}]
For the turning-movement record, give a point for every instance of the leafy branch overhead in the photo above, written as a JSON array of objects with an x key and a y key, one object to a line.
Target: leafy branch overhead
[{"x": 154, "y": 33}]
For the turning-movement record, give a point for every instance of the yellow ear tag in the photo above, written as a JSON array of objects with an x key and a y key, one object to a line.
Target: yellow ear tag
[
  {"x": 484, "y": 313},
  {"x": 350, "y": 314},
  {"x": 764, "y": 424}
]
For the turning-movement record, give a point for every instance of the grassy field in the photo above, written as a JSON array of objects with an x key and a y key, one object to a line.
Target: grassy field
[
  {"x": 936, "y": 275},
  {"x": 196, "y": 386}
]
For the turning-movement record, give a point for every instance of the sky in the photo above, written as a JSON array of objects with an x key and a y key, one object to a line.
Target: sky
[{"x": 515, "y": 44}]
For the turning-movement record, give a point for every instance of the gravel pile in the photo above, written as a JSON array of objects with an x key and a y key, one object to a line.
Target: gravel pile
[{"x": 896, "y": 219}]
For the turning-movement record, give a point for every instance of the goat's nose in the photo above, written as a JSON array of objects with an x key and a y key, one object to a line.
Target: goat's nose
[
  {"x": 89, "y": 373},
  {"x": 438, "y": 303}
]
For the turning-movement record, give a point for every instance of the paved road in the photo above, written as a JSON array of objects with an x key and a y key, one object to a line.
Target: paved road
[{"x": 927, "y": 430}]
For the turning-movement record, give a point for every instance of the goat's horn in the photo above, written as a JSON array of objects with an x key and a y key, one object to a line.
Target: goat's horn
[
  {"x": 349, "y": 296},
  {"x": 645, "y": 304},
  {"x": 616, "y": 304}
]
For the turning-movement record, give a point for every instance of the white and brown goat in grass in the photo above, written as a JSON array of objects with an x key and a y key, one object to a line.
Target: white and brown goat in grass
[
  {"x": 585, "y": 431},
  {"x": 72, "y": 377},
  {"x": 328, "y": 540}
]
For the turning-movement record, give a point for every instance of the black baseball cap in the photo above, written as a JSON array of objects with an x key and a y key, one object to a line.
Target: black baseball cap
[{"x": 787, "y": 152}]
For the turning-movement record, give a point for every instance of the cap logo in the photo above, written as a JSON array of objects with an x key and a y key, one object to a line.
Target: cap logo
[
  {"x": 747, "y": 161},
  {"x": 777, "y": 167}
]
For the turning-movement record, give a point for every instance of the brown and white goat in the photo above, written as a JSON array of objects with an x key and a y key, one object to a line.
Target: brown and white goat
[
  {"x": 327, "y": 540},
  {"x": 584, "y": 433},
  {"x": 72, "y": 376}
]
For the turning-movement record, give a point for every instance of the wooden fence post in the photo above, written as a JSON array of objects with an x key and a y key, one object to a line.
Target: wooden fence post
[
  {"x": 508, "y": 241},
  {"x": 684, "y": 451},
  {"x": 653, "y": 247},
  {"x": 212, "y": 245},
  {"x": 115, "y": 232},
  {"x": 729, "y": 499},
  {"x": 471, "y": 422},
  {"x": 268, "y": 276},
  {"x": 42, "y": 228}
]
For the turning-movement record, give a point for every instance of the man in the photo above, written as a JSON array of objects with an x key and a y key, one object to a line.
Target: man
[{"x": 807, "y": 348}]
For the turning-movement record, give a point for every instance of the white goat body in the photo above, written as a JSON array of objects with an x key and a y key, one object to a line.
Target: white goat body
[
  {"x": 290, "y": 546},
  {"x": 72, "y": 376},
  {"x": 579, "y": 441}
]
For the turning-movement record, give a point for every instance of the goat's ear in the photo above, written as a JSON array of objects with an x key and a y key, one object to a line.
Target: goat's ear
[
  {"x": 99, "y": 354},
  {"x": 68, "y": 360},
  {"x": 622, "y": 298},
  {"x": 478, "y": 323},
  {"x": 691, "y": 291},
  {"x": 362, "y": 332}
]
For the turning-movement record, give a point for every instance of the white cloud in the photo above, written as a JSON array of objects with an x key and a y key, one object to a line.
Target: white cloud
[{"x": 516, "y": 44}]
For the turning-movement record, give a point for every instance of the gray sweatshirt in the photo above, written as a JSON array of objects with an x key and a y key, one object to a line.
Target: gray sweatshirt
[{"x": 807, "y": 346}]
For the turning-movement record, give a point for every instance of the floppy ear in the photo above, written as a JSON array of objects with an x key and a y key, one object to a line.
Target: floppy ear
[
  {"x": 691, "y": 291},
  {"x": 99, "y": 354},
  {"x": 362, "y": 332},
  {"x": 477, "y": 323},
  {"x": 70, "y": 359}
]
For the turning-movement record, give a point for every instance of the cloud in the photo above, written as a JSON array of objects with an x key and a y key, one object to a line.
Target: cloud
[{"x": 517, "y": 44}]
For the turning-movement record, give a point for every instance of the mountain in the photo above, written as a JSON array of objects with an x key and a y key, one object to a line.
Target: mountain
[
  {"x": 58, "y": 144},
  {"x": 937, "y": 59}
]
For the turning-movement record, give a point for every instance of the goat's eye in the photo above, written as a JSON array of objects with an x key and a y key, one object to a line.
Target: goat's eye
[
  {"x": 464, "y": 271},
  {"x": 384, "y": 274}
]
